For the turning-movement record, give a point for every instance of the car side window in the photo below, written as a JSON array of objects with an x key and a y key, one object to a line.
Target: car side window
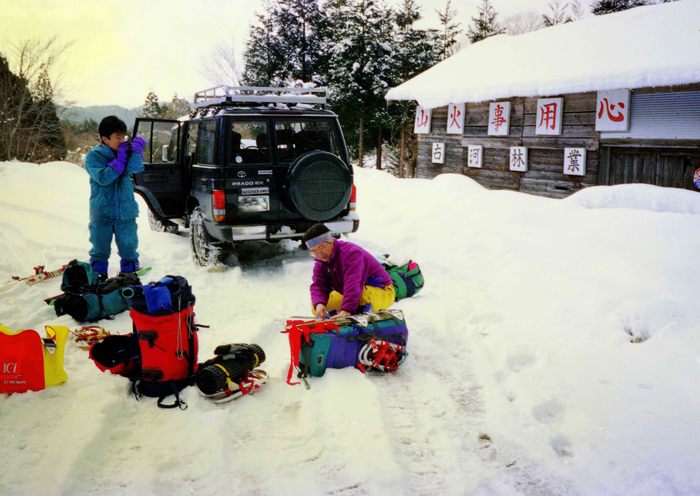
[
  {"x": 295, "y": 138},
  {"x": 249, "y": 142},
  {"x": 191, "y": 143},
  {"x": 164, "y": 143},
  {"x": 206, "y": 142}
]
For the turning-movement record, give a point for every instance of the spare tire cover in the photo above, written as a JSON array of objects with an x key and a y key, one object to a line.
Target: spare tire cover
[{"x": 319, "y": 185}]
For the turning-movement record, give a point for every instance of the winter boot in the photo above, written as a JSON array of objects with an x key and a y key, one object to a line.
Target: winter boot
[
  {"x": 100, "y": 267},
  {"x": 128, "y": 267}
]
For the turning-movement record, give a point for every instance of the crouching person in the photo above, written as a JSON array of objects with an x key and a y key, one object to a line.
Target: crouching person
[
  {"x": 113, "y": 208},
  {"x": 346, "y": 278}
]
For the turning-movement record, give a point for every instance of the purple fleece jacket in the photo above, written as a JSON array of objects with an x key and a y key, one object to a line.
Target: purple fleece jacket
[{"x": 348, "y": 270}]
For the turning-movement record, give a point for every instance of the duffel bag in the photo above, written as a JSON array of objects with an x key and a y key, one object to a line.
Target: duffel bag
[
  {"x": 407, "y": 278},
  {"x": 105, "y": 299},
  {"x": 30, "y": 363},
  {"x": 366, "y": 341}
]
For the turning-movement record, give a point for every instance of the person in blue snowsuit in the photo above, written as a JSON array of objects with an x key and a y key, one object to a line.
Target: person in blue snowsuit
[{"x": 113, "y": 208}]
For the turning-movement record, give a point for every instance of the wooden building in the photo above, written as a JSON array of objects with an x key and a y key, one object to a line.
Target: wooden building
[{"x": 630, "y": 114}]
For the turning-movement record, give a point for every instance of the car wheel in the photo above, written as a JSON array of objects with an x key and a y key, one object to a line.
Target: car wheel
[
  {"x": 319, "y": 185},
  {"x": 204, "y": 250},
  {"x": 158, "y": 225}
]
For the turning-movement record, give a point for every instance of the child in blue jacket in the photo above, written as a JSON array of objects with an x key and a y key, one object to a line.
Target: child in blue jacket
[{"x": 113, "y": 208}]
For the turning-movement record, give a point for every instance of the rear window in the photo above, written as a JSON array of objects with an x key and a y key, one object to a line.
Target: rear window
[
  {"x": 297, "y": 137},
  {"x": 249, "y": 142}
]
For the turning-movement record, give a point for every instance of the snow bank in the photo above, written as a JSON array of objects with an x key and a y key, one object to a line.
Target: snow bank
[
  {"x": 656, "y": 45},
  {"x": 554, "y": 350}
]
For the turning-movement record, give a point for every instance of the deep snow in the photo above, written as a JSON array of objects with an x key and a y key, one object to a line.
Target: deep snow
[
  {"x": 522, "y": 379},
  {"x": 655, "y": 45}
]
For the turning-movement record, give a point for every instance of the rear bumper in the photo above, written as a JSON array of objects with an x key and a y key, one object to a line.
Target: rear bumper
[{"x": 345, "y": 225}]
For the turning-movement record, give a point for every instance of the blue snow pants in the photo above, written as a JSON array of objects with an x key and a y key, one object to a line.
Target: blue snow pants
[{"x": 124, "y": 232}]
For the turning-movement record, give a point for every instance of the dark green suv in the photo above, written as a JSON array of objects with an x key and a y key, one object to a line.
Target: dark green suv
[{"x": 247, "y": 164}]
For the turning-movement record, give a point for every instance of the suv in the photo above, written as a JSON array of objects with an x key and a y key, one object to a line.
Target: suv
[{"x": 247, "y": 164}]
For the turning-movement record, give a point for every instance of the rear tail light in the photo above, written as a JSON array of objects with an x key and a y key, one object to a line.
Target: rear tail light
[
  {"x": 218, "y": 205},
  {"x": 353, "y": 198}
]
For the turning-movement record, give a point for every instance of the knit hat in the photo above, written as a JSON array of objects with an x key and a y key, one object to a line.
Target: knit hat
[{"x": 313, "y": 232}]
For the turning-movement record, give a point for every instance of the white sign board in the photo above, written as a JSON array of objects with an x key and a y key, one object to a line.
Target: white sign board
[
  {"x": 422, "y": 124},
  {"x": 438, "y": 153},
  {"x": 518, "y": 158},
  {"x": 499, "y": 118},
  {"x": 474, "y": 156},
  {"x": 613, "y": 110},
  {"x": 575, "y": 161},
  {"x": 455, "y": 118},
  {"x": 549, "y": 115}
]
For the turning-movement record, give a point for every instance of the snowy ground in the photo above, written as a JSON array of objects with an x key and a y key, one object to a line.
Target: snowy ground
[{"x": 554, "y": 350}]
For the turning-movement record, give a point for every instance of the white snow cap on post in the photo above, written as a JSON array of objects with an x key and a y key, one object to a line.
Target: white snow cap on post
[{"x": 656, "y": 45}]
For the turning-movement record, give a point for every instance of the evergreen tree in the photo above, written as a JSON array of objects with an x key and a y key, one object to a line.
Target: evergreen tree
[
  {"x": 449, "y": 30},
  {"x": 601, "y": 7},
  {"x": 51, "y": 141},
  {"x": 263, "y": 57},
  {"x": 359, "y": 68},
  {"x": 415, "y": 50},
  {"x": 298, "y": 23},
  {"x": 485, "y": 25},
  {"x": 151, "y": 107},
  {"x": 557, "y": 14}
]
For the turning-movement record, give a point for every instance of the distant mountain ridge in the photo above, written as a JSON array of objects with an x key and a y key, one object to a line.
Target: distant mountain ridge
[{"x": 97, "y": 112}]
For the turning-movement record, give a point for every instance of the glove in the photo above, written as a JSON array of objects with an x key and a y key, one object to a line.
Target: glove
[
  {"x": 118, "y": 164},
  {"x": 696, "y": 183},
  {"x": 138, "y": 144}
]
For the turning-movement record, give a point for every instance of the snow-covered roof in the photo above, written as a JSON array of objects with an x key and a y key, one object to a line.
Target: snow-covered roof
[{"x": 656, "y": 45}]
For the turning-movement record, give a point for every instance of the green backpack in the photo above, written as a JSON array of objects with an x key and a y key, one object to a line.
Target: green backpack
[{"x": 407, "y": 278}]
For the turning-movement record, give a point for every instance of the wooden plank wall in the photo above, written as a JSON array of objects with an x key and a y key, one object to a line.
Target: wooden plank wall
[{"x": 545, "y": 153}]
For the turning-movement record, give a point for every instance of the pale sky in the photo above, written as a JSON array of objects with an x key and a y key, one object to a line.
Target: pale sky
[{"x": 120, "y": 50}]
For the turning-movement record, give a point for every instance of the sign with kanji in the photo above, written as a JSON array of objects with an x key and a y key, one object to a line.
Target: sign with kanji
[
  {"x": 455, "y": 118},
  {"x": 422, "y": 124},
  {"x": 549, "y": 115},
  {"x": 499, "y": 118},
  {"x": 438, "y": 153},
  {"x": 518, "y": 158},
  {"x": 613, "y": 110},
  {"x": 474, "y": 156},
  {"x": 575, "y": 161}
]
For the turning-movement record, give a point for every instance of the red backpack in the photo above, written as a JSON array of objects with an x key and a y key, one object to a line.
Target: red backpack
[{"x": 160, "y": 355}]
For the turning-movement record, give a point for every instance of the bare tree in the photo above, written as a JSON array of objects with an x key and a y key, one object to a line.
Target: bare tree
[
  {"x": 29, "y": 125},
  {"x": 577, "y": 10},
  {"x": 557, "y": 13},
  {"x": 223, "y": 66},
  {"x": 523, "y": 22}
]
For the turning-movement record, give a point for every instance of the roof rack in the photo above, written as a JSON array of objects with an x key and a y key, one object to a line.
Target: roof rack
[{"x": 247, "y": 95}]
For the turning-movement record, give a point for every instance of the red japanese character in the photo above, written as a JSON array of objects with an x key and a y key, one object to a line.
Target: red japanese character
[
  {"x": 422, "y": 119},
  {"x": 498, "y": 120},
  {"x": 548, "y": 115},
  {"x": 454, "y": 116},
  {"x": 608, "y": 107}
]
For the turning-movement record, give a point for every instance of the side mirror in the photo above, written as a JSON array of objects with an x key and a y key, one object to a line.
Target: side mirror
[{"x": 164, "y": 154}]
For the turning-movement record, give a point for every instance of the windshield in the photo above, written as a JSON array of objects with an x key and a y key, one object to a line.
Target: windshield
[{"x": 296, "y": 137}]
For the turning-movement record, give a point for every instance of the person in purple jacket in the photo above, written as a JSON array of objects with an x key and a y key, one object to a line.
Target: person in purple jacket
[{"x": 346, "y": 278}]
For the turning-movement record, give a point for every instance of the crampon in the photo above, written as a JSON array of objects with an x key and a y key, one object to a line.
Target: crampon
[
  {"x": 381, "y": 356},
  {"x": 86, "y": 336}
]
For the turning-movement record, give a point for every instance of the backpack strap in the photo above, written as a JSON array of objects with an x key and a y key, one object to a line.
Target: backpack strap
[{"x": 298, "y": 329}]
